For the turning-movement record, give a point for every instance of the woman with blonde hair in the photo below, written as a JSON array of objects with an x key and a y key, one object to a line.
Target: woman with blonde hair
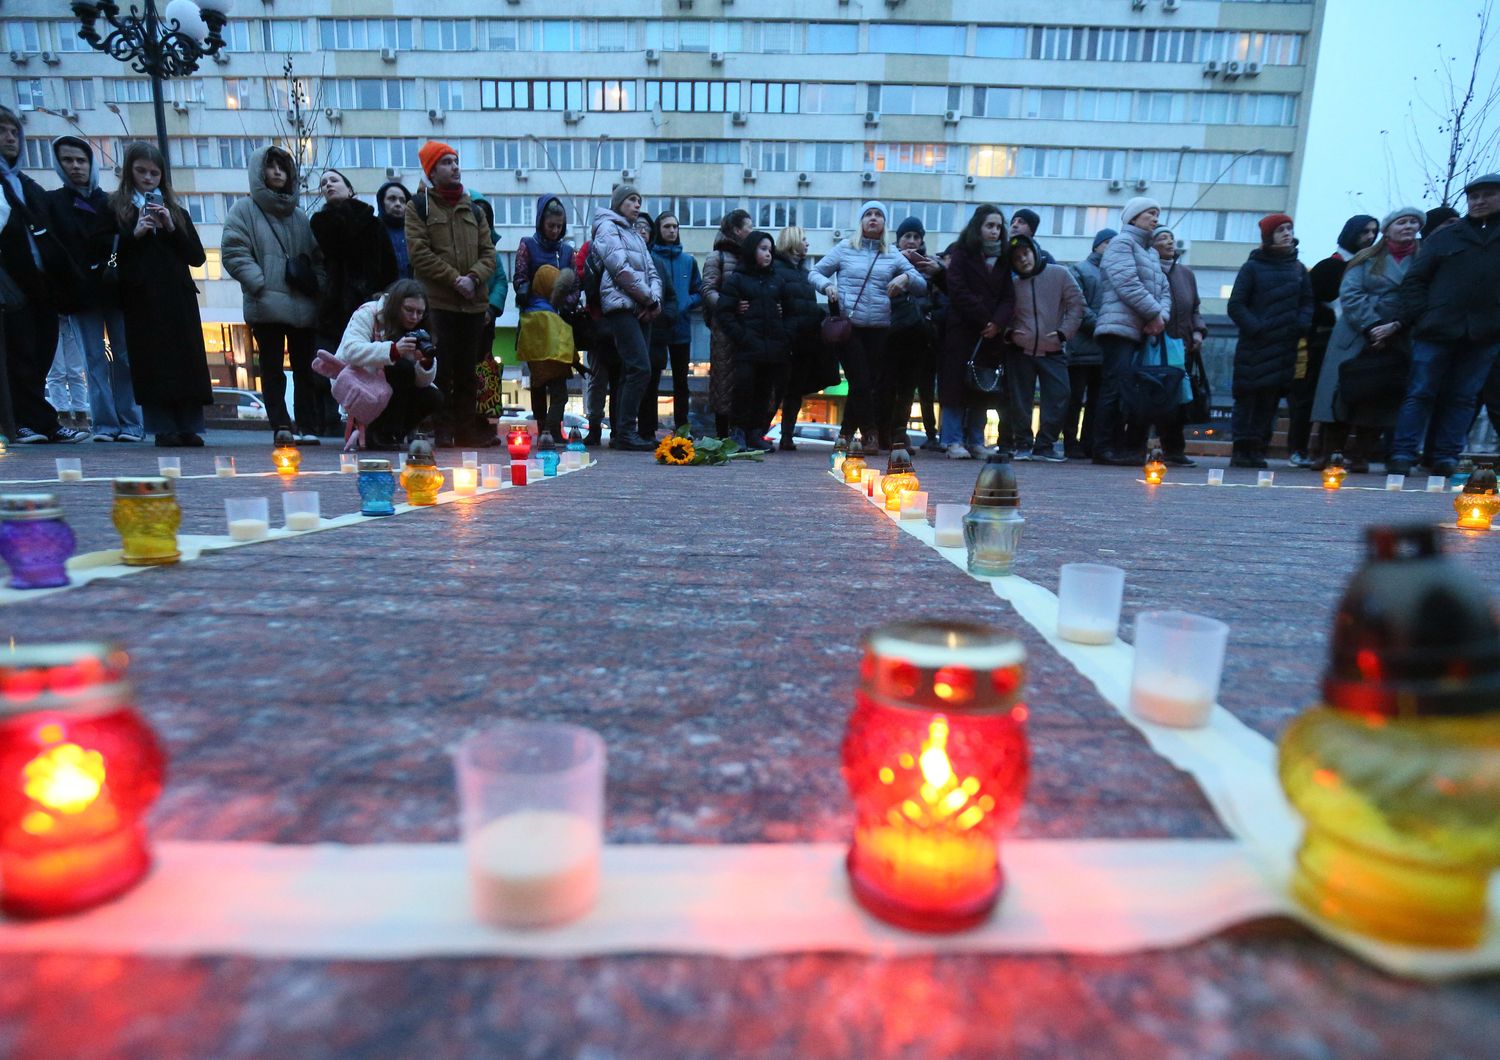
[{"x": 803, "y": 330}]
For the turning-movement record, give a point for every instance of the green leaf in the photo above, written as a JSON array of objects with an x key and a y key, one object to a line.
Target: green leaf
[{"x": 710, "y": 445}]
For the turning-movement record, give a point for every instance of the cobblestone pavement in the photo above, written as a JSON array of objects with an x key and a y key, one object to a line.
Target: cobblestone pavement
[{"x": 706, "y": 622}]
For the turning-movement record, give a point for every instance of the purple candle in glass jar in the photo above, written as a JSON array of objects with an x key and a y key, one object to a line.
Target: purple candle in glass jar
[{"x": 34, "y": 540}]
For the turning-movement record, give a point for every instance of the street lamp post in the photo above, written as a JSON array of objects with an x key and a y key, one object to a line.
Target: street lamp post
[{"x": 159, "y": 47}]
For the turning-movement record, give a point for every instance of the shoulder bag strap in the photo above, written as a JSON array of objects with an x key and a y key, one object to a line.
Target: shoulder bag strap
[{"x": 274, "y": 234}]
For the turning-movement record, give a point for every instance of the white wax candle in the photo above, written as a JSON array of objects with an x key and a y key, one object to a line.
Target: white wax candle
[
  {"x": 491, "y": 482},
  {"x": 303, "y": 521},
  {"x": 171, "y": 472},
  {"x": 1265, "y": 478},
  {"x": 248, "y": 529},
  {"x": 70, "y": 474},
  {"x": 534, "y": 868},
  {"x": 1395, "y": 483},
  {"x": 1086, "y": 633},
  {"x": 1171, "y": 699},
  {"x": 1216, "y": 476},
  {"x": 224, "y": 472},
  {"x": 946, "y": 537},
  {"x": 1436, "y": 483}
]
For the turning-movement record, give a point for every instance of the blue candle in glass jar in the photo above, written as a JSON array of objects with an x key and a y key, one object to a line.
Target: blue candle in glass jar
[
  {"x": 547, "y": 454},
  {"x": 377, "y": 488},
  {"x": 34, "y": 540}
]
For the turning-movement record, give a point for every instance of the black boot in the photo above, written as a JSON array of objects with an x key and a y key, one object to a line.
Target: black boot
[
  {"x": 593, "y": 439},
  {"x": 1243, "y": 455}
]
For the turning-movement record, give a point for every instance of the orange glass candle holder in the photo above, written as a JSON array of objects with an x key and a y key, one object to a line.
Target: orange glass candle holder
[
  {"x": 1478, "y": 503},
  {"x": 78, "y": 771},
  {"x": 1334, "y": 472},
  {"x": 936, "y": 760},
  {"x": 900, "y": 477},
  {"x": 1155, "y": 469},
  {"x": 286, "y": 456}
]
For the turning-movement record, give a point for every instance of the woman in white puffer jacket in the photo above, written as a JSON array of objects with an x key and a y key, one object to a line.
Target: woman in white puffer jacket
[{"x": 379, "y": 339}]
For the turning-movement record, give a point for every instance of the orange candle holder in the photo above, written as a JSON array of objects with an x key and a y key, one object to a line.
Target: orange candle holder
[
  {"x": 286, "y": 456},
  {"x": 1334, "y": 472},
  {"x": 936, "y": 760},
  {"x": 1155, "y": 469},
  {"x": 1478, "y": 503},
  {"x": 900, "y": 477},
  {"x": 79, "y": 768}
]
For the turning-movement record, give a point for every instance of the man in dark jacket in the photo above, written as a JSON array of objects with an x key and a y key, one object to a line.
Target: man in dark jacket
[
  {"x": 1024, "y": 222},
  {"x": 1272, "y": 305},
  {"x": 1450, "y": 305},
  {"x": 1084, "y": 356},
  {"x": 87, "y": 227},
  {"x": 36, "y": 260}
]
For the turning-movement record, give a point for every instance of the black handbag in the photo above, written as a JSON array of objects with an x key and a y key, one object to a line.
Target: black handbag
[
  {"x": 300, "y": 274},
  {"x": 1201, "y": 408},
  {"x": 1373, "y": 375},
  {"x": 1151, "y": 393},
  {"x": 984, "y": 378}
]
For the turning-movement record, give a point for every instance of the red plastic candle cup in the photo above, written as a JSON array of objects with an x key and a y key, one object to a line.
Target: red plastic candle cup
[
  {"x": 79, "y": 768},
  {"x": 518, "y": 472},
  {"x": 936, "y": 760}
]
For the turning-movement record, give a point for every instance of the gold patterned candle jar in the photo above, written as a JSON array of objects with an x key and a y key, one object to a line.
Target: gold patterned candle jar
[
  {"x": 147, "y": 516},
  {"x": 286, "y": 456},
  {"x": 1478, "y": 504},
  {"x": 899, "y": 478},
  {"x": 421, "y": 478}
]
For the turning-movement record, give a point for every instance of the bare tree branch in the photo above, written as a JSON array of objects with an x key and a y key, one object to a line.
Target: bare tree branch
[{"x": 1459, "y": 132}]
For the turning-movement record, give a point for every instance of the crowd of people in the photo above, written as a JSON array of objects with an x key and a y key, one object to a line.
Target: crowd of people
[{"x": 385, "y": 316}]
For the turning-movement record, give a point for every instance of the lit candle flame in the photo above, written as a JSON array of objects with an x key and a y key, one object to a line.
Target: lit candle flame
[{"x": 65, "y": 778}]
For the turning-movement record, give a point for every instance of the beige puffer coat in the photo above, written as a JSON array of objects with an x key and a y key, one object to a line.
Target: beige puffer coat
[{"x": 260, "y": 234}]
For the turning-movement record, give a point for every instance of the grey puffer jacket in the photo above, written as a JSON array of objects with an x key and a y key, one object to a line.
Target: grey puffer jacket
[
  {"x": 1134, "y": 290},
  {"x": 257, "y": 261},
  {"x": 846, "y": 266},
  {"x": 630, "y": 280},
  {"x": 1083, "y": 349}
]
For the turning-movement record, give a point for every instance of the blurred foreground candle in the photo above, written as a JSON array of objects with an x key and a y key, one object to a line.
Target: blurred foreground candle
[
  {"x": 224, "y": 466},
  {"x": 1477, "y": 504},
  {"x": 948, "y": 525},
  {"x": 547, "y": 449},
  {"x": 1334, "y": 472},
  {"x": 532, "y": 799},
  {"x": 1155, "y": 469},
  {"x": 147, "y": 517},
  {"x": 1179, "y": 659},
  {"x": 1397, "y": 772},
  {"x": 286, "y": 456},
  {"x": 421, "y": 478},
  {"x": 249, "y": 518},
  {"x": 899, "y": 478},
  {"x": 1088, "y": 602},
  {"x": 169, "y": 466},
  {"x": 78, "y": 771},
  {"x": 936, "y": 761},
  {"x": 465, "y": 481},
  {"x": 35, "y": 542},
  {"x": 992, "y": 525},
  {"x": 69, "y": 469},
  {"x": 489, "y": 476},
  {"x": 377, "y": 488},
  {"x": 914, "y": 504},
  {"x": 302, "y": 510}
]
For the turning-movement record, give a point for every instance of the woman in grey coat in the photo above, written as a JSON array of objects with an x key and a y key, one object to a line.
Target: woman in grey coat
[
  {"x": 1367, "y": 300},
  {"x": 263, "y": 236}
]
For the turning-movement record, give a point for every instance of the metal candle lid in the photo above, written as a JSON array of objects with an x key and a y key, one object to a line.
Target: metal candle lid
[
  {"x": 421, "y": 452},
  {"x": 1481, "y": 481},
  {"x": 954, "y": 667},
  {"x": 154, "y": 486},
  {"x": 373, "y": 464},
  {"x": 284, "y": 439},
  {"x": 545, "y": 443},
  {"x": 899, "y": 462},
  {"x": 25, "y": 507},
  {"x": 996, "y": 487},
  {"x": 76, "y": 676}
]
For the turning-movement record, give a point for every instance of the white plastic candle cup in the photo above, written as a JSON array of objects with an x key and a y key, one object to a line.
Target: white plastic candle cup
[
  {"x": 949, "y": 525},
  {"x": 489, "y": 476},
  {"x": 69, "y": 469},
  {"x": 1436, "y": 483},
  {"x": 348, "y": 463},
  {"x": 471, "y": 460},
  {"x": 1088, "y": 602},
  {"x": 1265, "y": 478},
  {"x": 532, "y": 802},
  {"x": 572, "y": 460},
  {"x": 1179, "y": 659},
  {"x": 1216, "y": 476},
  {"x": 400, "y": 462},
  {"x": 465, "y": 481},
  {"x": 914, "y": 504},
  {"x": 169, "y": 466},
  {"x": 1395, "y": 483},
  {"x": 865, "y": 477},
  {"x": 875, "y": 494},
  {"x": 224, "y": 466},
  {"x": 301, "y": 510},
  {"x": 249, "y": 517}
]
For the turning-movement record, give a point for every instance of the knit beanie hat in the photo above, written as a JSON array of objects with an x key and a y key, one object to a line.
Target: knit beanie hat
[
  {"x": 1104, "y": 235},
  {"x": 873, "y": 204},
  {"x": 1161, "y": 230},
  {"x": 911, "y": 224},
  {"x": 620, "y": 194},
  {"x": 1268, "y": 225},
  {"x": 430, "y": 153},
  {"x": 1437, "y": 216},
  {"x": 1400, "y": 212},
  {"x": 1030, "y": 218},
  {"x": 1137, "y": 206}
]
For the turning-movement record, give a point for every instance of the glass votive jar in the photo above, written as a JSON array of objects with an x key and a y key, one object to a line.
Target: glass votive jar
[
  {"x": 1179, "y": 659},
  {"x": 348, "y": 463},
  {"x": 169, "y": 466},
  {"x": 914, "y": 504},
  {"x": 1265, "y": 478},
  {"x": 377, "y": 487},
  {"x": 224, "y": 466},
  {"x": 69, "y": 469},
  {"x": 489, "y": 476},
  {"x": 1395, "y": 483},
  {"x": 863, "y": 481},
  {"x": 465, "y": 480},
  {"x": 400, "y": 462},
  {"x": 948, "y": 525},
  {"x": 422, "y": 483},
  {"x": 35, "y": 542},
  {"x": 249, "y": 518},
  {"x": 1436, "y": 484},
  {"x": 302, "y": 510},
  {"x": 1088, "y": 602},
  {"x": 471, "y": 459},
  {"x": 147, "y": 517},
  {"x": 1216, "y": 476},
  {"x": 531, "y": 796},
  {"x": 548, "y": 459}
]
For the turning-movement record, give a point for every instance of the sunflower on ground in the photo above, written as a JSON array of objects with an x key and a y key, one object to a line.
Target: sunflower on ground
[{"x": 675, "y": 450}]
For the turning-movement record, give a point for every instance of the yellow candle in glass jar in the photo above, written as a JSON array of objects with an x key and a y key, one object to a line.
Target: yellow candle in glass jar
[{"x": 147, "y": 517}]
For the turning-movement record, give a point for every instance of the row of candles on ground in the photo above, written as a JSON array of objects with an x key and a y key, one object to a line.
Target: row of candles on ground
[
  {"x": 36, "y": 542},
  {"x": 1397, "y": 773}
]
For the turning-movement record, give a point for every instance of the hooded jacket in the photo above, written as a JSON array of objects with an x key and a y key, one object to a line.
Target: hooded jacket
[
  {"x": 447, "y": 243},
  {"x": 681, "y": 273},
  {"x": 1327, "y": 276},
  {"x": 629, "y": 280},
  {"x": 40, "y": 269},
  {"x": 535, "y": 250},
  {"x": 261, "y": 234},
  {"x": 1048, "y": 301},
  {"x": 721, "y": 263},
  {"x": 760, "y": 334},
  {"x": 1272, "y": 305},
  {"x": 1083, "y": 348},
  {"x": 1135, "y": 290},
  {"x": 85, "y": 222},
  {"x": 357, "y": 256},
  {"x": 845, "y": 268}
]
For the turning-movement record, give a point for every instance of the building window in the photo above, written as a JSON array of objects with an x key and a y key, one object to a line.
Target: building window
[
  {"x": 127, "y": 90},
  {"x": 1001, "y": 42},
  {"x": 830, "y": 158},
  {"x": 235, "y": 151},
  {"x": 531, "y": 95},
  {"x": 612, "y": 95},
  {"x": 80, "y": 92},
  {"x": 992, "y": 160},
  {"x": 191, "y": 152},
  {"x": 180, "y": 90},
  {"x": 369, "y": 93},
  {"x": 282, "y": 35},
  {"x": 585, "y": 155},
  {"x": 29, "y": 94},
  {"x": 703, "y": 97},
  {"x": 771, "y": 156},
  {"x": 450, "y": 95},
  {"x": 504, "y": 154},
  {"x": 767, "y": 38},
  {"x": 935, "y": 216},
  {"x": 364, "y": 34},
  {"x": 213, "y": 261},
  {"x": 694, "y": 212},
  {"x": 202, "y": 209},
  {"x": 913, "y": 158},
  {"x": 240, "y": 93},
  {"x": 24, "y": 35},
  {"x": 914, "y": 99},
  {"x": 720, "y": 152},
  {"x": 829, "y": 38},
  {"x": 916, "y": 38},
  {"x": 68, "y": 39},
  {"x": 774, "y": 97},
  {"x": 827, "y": 99},
  {"x": 373, "y": 152},
  {"x": 447, "y": 34},
  {"x": 501, "y": 35},
  {"x": 237, "y": 35}
]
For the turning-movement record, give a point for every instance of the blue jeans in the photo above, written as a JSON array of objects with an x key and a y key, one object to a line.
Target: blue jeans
[
  {"x": 111, "y": 393},
  {"x": 963, "y": 425},
  {"x": 1442, "y": 386}
]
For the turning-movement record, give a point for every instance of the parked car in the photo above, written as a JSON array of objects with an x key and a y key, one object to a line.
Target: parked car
[
  {"x": 231, "y": 403},
  {"x": 824, "y": 435}
]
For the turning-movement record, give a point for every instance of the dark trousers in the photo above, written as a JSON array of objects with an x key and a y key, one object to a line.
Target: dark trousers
[
  {"x": 1300, "y": 402},
  {"x": 1254, "y": 418},
  {"x": 410, "y": 404},
  {"x": 1022, "y": 374},
  {"x": 632, "y": 348},
  {"x": 547, "y": 404},
  {"x": 31, "y": 341},
  {"x": 649, "y": 416},
  {"x": 7, "y": 414},
  {"x": 603, "y": 383},
  {"x": 754, "y": 383},
  {"x": 1083, "y": 395},
  {"x": 860, "y": 357},
  {"x": 1111, "y": 432},
  {"x": 913, "y": 366},
  {"x": 457, "y": 338},
  {"x": 680, "y": 355},
  {"x": 173, "y": 417},
  {"x": 276, "y": 344}
]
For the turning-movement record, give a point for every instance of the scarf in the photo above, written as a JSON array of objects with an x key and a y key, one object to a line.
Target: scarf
[
  {"x": 993, "y": 250},
  {"x": 670, "y": 251},
  {"x": 450, "y": 195},
  {"x": 1400, "y": 254}
]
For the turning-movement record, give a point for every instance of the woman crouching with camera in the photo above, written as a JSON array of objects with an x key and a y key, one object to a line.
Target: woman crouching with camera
[{"x": 387, "y": 337}]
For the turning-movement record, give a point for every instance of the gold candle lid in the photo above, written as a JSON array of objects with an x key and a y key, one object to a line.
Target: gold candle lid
[
  {"x": 374, "y": 465},
  {"x": 25, "y": 507},
  {"x": 153, "y": 486}
]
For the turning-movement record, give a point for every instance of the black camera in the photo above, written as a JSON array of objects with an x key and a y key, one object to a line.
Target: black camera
[{"x": 426, "y": 348}]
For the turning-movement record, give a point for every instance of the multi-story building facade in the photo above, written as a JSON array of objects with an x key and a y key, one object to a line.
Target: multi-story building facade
[{"x": 797, "y": 111}]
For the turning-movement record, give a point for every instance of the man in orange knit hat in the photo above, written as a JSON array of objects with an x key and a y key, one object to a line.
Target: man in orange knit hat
[{"x": 453, "y": 256}]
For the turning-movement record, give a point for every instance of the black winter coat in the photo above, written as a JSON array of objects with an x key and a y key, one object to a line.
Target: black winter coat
[
  {"x": 358, "y": 259},
  {"x": 86, "y": 226},
  {"x": 1451, "y": 293},
  {"x": 760, "y": 333},
  {"x": 1272, "y": 305},
  {"x": 666, "y": 323},
  {"x": 977, "y": 295},
  {"x": 802, "y": 316},
  {"x": 55, "y": 286},
  {"x": 160, "y": 304}
]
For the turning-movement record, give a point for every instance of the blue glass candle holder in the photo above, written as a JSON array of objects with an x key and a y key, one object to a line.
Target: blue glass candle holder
[
  {"x": 34, "y": 541},
  {"x": 377, "y": 488}
]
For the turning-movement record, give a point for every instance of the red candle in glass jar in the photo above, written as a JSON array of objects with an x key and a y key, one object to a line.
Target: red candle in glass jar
[
  {"x": 78, "y": 771},
  {"x": 518, "y": 444},
  {"x": 936, "y": 761}
]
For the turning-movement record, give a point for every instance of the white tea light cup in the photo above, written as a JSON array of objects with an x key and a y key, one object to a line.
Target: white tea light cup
[
  {"x": 1089, "y": 596},
  {"x": 1179, "y": 660},
  {"x": 249, "y": 518}
]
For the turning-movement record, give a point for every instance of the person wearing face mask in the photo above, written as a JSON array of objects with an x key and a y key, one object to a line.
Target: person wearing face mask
[
  {"x": 982, "y": 304},
  {"x": 1350, "y": 420},
  {"x": 390, "y": 204},
  {"x": 1049, "y": 308},
  {"x": 630, "y": 294},
  {"x": 269, "y": 249},
  {"x": 679, "y": 270},
  {"x": 720, "y": 264}
]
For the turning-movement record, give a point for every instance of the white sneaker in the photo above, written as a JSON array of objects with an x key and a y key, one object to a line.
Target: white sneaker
[
  {"x": 958, "y": 452},
  {"x": 984, "y": 452}
]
